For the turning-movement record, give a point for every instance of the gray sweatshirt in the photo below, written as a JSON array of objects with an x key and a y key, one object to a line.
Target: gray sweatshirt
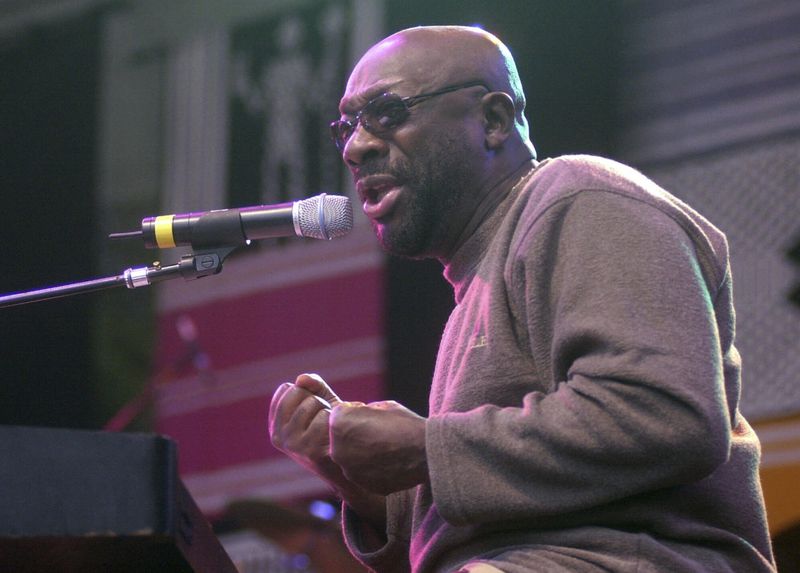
[{"x": 584, "y": 408}]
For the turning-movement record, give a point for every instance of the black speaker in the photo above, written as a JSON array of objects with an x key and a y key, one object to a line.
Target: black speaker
[{"x": 83, "y": 501}]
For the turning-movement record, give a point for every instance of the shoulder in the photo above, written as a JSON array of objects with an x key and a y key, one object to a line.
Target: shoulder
[
  {"x": 584, "y": 192},
  {"x": 565, "y": 176}
]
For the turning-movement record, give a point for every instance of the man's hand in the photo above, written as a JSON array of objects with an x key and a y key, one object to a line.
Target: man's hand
[
  {"x": 298, "y": 426},
  {"x": 379, "y": 446}
]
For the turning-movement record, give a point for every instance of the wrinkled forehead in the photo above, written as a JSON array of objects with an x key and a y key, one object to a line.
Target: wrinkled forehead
[{"x": 392, "y": 65}]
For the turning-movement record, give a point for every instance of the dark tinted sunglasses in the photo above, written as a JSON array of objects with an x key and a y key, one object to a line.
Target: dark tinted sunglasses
[{"x": 385, "y": 113}]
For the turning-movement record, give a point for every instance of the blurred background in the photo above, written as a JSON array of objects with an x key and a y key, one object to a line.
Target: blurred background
[{"x": 113, "y": 110}]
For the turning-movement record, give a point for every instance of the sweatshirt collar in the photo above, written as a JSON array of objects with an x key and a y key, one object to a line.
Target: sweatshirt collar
[{"x": 462, "y": 267}]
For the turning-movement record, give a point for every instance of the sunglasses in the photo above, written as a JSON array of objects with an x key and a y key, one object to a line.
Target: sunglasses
[{"x": 386, "y": 112}]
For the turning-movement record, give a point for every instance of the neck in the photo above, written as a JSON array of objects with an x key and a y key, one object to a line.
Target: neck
[{"x": 494, "y": 195}]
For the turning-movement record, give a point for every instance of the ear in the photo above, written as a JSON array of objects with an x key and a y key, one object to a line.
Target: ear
[{"x": 498, "y": 117}]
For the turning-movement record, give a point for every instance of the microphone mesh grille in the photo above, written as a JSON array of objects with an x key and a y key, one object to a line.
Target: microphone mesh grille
[{"x": 336, "y": 217}]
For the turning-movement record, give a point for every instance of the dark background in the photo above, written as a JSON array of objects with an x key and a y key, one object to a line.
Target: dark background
[{"x": 48, "y": 123}]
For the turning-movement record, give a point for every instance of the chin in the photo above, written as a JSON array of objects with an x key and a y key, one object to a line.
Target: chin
[{"x": 401, "y": 242}]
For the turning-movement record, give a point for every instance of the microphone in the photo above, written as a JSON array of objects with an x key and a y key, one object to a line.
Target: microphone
[{"x": 321, "y": 217}]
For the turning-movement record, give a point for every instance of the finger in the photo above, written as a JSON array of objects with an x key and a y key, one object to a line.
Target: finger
[
  {"x": 316, "y": 385},
  {"x": 325, "y": 404},
  {"x": 347, "y": 404},
  {"x": 284, "y": 410},
  {"x": 384, "y": 404},
  {"x": 343, "y": 416},
  {"x": 278, "y": 409},
  {"x": 306, "y": 410},
  {"x": 276, "y": 398}
]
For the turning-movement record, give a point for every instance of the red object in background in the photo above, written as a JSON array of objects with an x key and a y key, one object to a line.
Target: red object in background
[{"x": 232, "y": 339}]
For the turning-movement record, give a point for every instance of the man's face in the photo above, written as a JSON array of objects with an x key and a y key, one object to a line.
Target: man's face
[
  {"x": 412, "y": 179},
  {"x": 409, "y": 209}
]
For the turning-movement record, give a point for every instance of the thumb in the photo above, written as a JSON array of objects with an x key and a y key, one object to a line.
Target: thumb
[{"x": 317, "y": 386}]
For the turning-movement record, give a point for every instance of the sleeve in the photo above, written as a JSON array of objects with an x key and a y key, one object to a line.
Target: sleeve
[
  {"x": 393, "y": 556},
  {"x": 618, "y": 312}
]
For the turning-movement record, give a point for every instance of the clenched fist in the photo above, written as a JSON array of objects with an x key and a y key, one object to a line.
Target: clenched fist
[
  {"x": 379, "y": 446},
  {"x": 299, "y": 418},
  {"x": 298, "y": 424}
]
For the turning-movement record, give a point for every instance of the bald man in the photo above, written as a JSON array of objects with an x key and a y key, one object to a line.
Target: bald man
[{"x": 584, "y": 407}]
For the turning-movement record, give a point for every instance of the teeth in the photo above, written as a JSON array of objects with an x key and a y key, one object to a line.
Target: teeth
[
  {"x": 372, "y": 190},
  {"x": 374, "y": 193}
]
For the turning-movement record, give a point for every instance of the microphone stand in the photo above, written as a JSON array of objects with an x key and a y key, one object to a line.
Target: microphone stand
[{"x": 191, "y": 266}]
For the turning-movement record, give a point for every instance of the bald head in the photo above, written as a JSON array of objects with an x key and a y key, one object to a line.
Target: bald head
[
  {"x": 434, "y": 134},
  {"x": 426, "y": 58}
]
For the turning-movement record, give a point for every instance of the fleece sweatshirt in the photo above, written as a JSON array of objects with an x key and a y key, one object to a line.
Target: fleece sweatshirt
[{"x": 584, "y": 406}]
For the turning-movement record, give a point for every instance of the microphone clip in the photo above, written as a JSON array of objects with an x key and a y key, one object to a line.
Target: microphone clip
[{"x": 191, "y": 266}]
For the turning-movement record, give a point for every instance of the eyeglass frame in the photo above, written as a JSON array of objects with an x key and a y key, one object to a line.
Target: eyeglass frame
[{"x": 408, "y": 102}]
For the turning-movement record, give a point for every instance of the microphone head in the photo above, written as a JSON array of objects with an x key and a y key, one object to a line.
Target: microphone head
[{"x": 323, "y": 216}]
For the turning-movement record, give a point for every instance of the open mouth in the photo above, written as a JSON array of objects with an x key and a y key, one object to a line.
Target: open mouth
[{"x": 378, "y": 194}]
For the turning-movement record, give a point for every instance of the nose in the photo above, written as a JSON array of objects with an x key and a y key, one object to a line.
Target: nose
[{"x": 363, "y": 146}]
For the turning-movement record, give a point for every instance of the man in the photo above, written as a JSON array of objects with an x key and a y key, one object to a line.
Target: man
[{"x": 583, "y": 411}]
